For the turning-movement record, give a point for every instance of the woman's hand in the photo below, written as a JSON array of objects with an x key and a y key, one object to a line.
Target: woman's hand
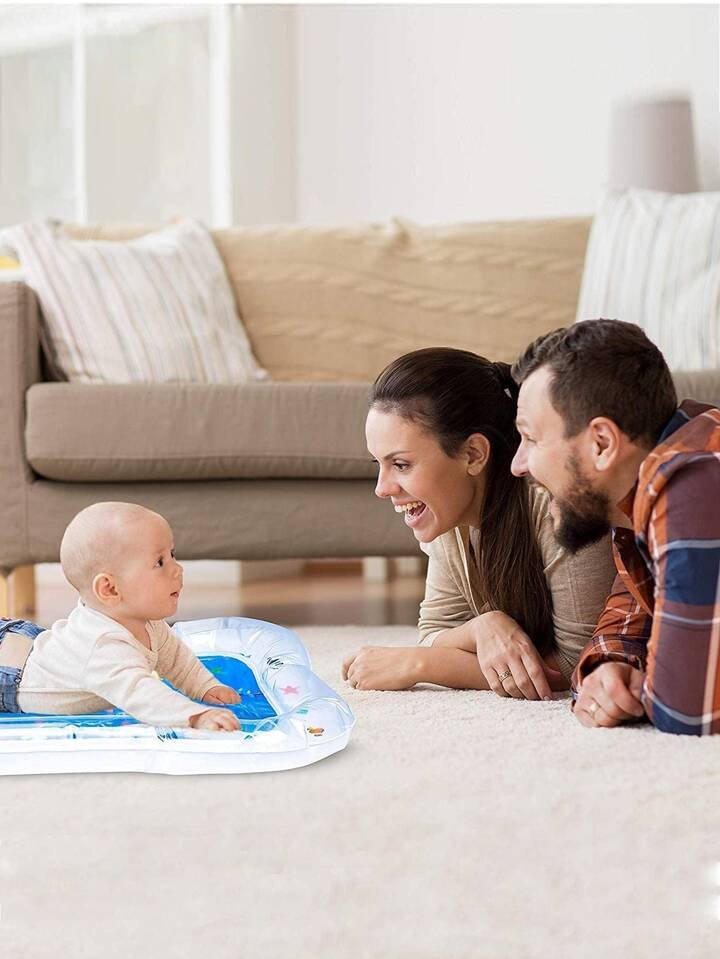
[
  {"x": 383, "y": 667},
  {"x": 505, "y": 650}
]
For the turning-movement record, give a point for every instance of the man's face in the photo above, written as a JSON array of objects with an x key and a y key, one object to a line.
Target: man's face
[{"x": 580, "y": 509}]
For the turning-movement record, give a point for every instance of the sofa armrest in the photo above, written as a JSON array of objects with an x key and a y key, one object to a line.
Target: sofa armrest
[{"x": 19, "y": 369}]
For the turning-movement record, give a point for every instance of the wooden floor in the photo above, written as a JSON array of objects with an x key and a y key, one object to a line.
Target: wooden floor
[{"x": 324, "y": 595}]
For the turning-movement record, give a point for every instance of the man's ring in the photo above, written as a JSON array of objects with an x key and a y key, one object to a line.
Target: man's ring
[{"x": 503, "y": 676}]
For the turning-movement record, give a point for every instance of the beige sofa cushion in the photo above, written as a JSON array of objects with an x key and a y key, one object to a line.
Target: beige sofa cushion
[
  {"x": 134, "y": 433},
  {"x": 337, "y": 304},
  {"x": 701, "y": 385}
]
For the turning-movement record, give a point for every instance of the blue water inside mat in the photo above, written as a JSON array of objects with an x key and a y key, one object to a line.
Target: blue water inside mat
[{"x": 229, "y": 670}]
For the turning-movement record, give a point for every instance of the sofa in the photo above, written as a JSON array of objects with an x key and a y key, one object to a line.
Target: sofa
[{"x": 278, "y": 469}]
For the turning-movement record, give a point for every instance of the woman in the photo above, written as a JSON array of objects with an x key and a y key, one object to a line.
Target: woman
[{"x": 505, "y": 608}]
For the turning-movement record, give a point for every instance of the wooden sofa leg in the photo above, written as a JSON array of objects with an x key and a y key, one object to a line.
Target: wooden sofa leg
[
  {"x": 410, "y": 565},
  {"x": 23, "y": 591},
  {"x": 17, "y": 592},
  {"x": 376, "y": 569}
]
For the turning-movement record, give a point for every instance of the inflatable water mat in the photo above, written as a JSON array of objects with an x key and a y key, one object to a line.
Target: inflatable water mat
[{"x": 288, "y": 716}]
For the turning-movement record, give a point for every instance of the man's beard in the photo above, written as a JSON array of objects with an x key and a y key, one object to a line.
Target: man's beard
[{"x": 583, "y": 513}]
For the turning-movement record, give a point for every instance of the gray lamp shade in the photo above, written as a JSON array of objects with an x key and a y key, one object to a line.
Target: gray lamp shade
[{"x": 652, "y": 146}]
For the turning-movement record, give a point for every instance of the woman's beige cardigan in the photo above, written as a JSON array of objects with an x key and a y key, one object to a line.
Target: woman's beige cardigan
[{"x": 579, "y": 584}]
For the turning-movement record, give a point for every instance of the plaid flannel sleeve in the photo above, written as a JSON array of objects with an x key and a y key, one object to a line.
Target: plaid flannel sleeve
[
  {"x": 682, "y": 688},
  {"x": 621, "y": 635}
]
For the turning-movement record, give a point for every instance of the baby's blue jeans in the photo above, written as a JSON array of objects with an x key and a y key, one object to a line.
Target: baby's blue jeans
[{"x": 10, "y": 676}]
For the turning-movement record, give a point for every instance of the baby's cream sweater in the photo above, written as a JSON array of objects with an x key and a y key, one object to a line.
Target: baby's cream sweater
[{"x": 88, "y": 662}]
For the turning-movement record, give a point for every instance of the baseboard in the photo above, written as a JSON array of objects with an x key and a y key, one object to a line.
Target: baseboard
[{"x": 256, "y": 571}]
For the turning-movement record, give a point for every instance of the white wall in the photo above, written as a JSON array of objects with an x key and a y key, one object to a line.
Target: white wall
[
  {"x": 444, "y": 113},
  {"x": 345, "y": 113}
]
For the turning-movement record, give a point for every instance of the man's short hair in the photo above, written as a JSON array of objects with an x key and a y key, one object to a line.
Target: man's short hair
[{"x": 604, "y": 368}]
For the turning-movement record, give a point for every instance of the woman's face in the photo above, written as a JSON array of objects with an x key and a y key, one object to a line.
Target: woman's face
[{"x": 431, "y": 491}]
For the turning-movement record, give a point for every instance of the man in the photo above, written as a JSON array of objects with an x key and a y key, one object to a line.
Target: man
[{"x": 600, "y": 429}]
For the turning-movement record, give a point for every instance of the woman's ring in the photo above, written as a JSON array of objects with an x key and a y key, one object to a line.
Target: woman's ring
[
  {"x": 503, "y": 676},
  {"x": 593, "y": 708}
]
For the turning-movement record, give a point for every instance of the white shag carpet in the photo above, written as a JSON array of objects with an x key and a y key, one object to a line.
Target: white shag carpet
[{"x": 455, "y": 824}]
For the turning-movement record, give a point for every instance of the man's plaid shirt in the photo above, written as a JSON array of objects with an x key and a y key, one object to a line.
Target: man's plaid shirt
[{"x": 663, "y": 615}]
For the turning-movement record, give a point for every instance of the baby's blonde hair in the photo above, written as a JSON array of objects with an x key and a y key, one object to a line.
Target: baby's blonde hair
[{"x": 93, "y": 539}]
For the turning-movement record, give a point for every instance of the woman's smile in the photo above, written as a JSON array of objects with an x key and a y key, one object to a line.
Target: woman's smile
[{"x": 413, "y": 511}]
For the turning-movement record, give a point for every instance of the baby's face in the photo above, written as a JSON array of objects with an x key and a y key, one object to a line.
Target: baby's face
[{"x": 148, "y": 575}]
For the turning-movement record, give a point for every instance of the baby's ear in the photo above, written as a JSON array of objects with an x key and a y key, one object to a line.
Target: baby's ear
[{"x": 104, "y": 589}]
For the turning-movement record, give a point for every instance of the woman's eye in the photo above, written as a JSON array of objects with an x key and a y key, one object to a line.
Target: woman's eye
[
  {"x": 400, "y": 466},
  {"x": 172, "y": 553},
  {"x": 159, "y": 562}
]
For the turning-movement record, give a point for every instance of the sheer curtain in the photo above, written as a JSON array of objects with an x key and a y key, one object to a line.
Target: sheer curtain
[{"x": 143, "y": 113}]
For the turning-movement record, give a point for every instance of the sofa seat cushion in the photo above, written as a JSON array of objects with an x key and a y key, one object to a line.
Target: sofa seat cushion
[{"x": 137, "y": 432}]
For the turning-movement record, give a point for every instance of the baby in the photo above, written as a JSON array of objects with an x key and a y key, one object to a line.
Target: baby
[{"x": 120, "y": 557}]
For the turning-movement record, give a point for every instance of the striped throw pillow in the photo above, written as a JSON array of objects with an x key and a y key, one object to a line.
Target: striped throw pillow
[
  {"x": 157, "y": 309},
  {"x": 654, "y": 259}
]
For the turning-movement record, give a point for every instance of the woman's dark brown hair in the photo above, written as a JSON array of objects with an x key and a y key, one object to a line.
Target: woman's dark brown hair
[{"x": 453, "y": 394}]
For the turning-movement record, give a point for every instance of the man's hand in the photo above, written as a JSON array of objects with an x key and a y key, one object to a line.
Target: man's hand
[
  {"x": 222, "y": 695},
  {"x": 509, "y": 661},
  {"x": 610, "y": 695},
  {"x": 383, "y": 667},
  {"x": 219, "y": 720}
]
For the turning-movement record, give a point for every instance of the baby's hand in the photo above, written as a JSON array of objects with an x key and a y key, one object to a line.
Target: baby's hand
[
  {"x": 217, "y": 719},
  {"x": 223, "y": 695}
]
